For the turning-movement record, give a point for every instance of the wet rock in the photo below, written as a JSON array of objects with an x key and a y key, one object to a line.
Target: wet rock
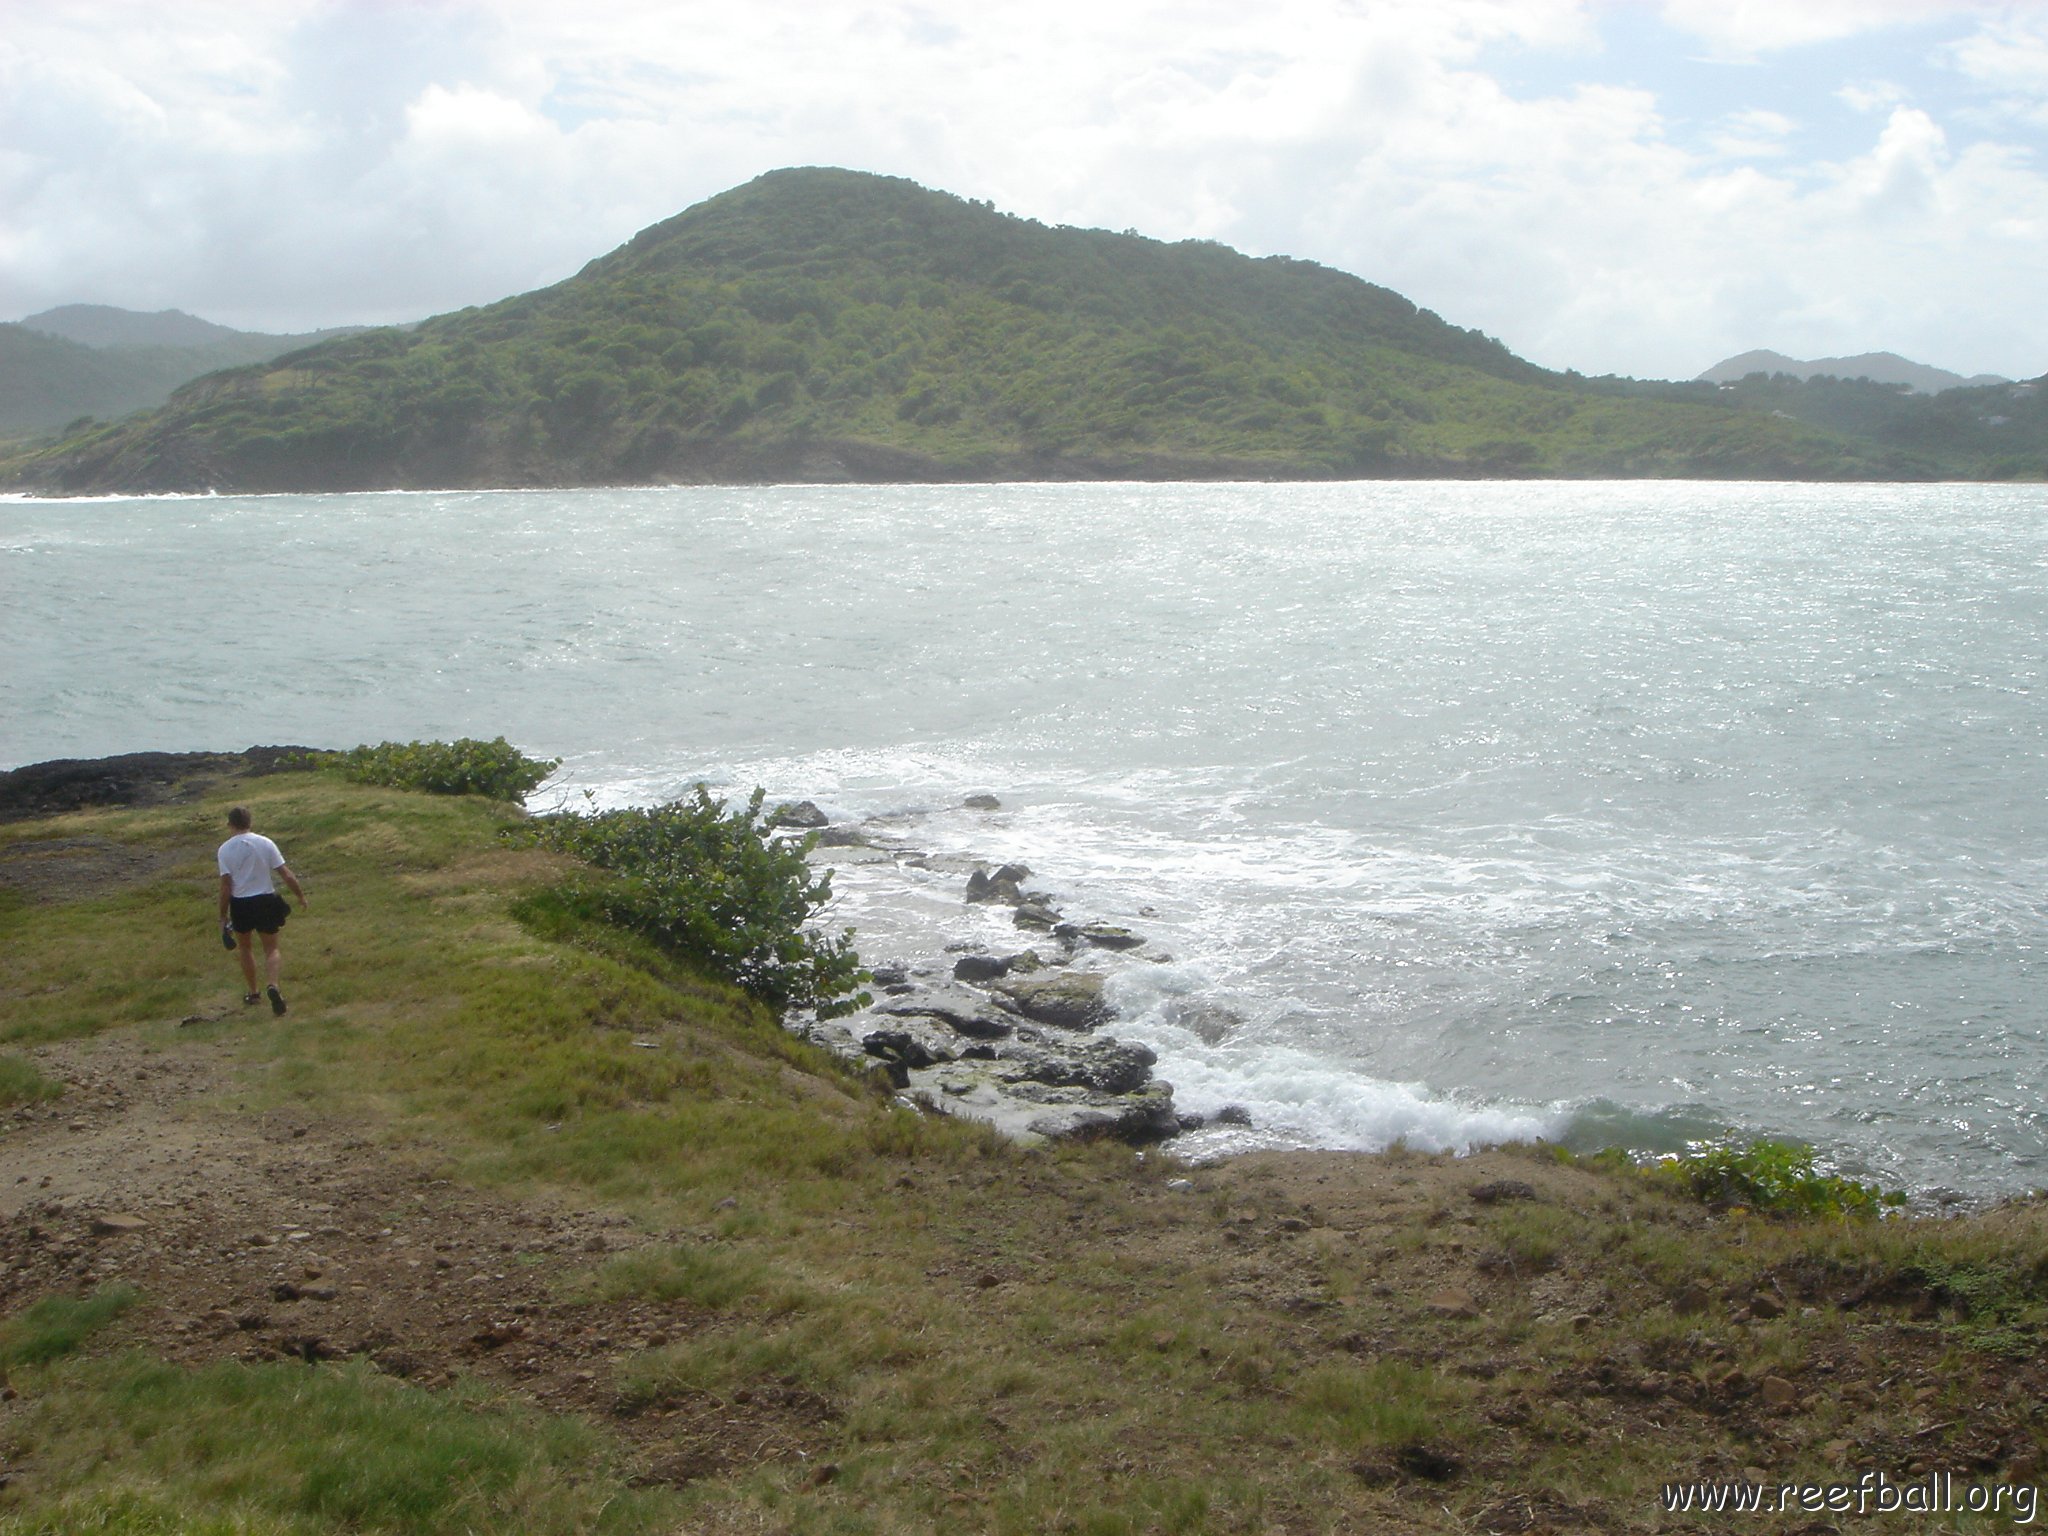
[
  {"x": 983, "y": 887},
  {"x": 970, "y": 1013},
  {"x": 798, "y": 813},
  {"x": 1145, "y": 1116},
  {"x": 842, "y": 837},
  {"x": 1036, "y": 915},
  {"x": 891, "y": 975},
  {"x": 1233, "y": 1114},
  {"x": 1101, "y": 935},
  {"x": 1211, "y": 1023},
  {"x": 899, "y": 1045},
  {"x": 980, "y": 968},
  {"x": 1069, "y": 999},
  {"x": 1106, "y": 1066},
  {"x": 982, "y": 803}
]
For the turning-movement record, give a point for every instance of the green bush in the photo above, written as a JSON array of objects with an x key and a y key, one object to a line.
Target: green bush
[
  {"x": 1777, "y": 1177},
  {"x": 713, "y": 887},
  {"x": 467, "y": 767}
]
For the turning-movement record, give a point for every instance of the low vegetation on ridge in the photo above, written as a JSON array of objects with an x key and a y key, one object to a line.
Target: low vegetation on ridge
[{"x": 516, "y": 1225}]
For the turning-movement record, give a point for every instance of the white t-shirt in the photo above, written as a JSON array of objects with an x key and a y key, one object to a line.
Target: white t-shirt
[{"x": 247, "y": 859}]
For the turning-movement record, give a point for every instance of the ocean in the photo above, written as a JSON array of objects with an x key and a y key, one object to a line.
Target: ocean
[{"x": 1631, "y": 813}]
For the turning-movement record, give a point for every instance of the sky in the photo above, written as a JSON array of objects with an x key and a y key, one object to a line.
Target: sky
[{"x": 1616, "y": 186}]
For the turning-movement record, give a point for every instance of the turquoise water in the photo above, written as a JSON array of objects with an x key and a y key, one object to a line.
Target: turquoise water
[{"x": 1636, "y": 810}]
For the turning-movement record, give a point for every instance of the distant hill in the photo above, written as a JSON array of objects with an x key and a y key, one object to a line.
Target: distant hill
[
  {"x": 103, "y": 325},
  {"x": 1878, "y": 367},
  {"x": 93, "y": 360},
  {"x": 823, "y": 324}
]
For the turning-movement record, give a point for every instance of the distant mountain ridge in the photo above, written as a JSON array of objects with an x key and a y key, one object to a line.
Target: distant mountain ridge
[
  {"x": 98, "y": 361},
  {"x": 1878, "y": 367},
  {"x": 822, "y": 324}
]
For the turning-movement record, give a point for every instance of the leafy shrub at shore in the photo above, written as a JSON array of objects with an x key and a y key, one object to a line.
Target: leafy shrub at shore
[
  {"x": 1777, "y": 1177},
  {"x": 494, "y": 768},
  {"x": 713, "y": 887}
]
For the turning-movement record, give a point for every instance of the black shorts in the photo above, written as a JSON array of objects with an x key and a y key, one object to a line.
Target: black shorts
[{"x": 257, "y": 914}]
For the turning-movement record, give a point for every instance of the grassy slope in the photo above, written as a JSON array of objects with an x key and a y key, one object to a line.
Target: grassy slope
[
  {"x": 1009, "y": 1341},
  {"x": 825, "y": 324}
]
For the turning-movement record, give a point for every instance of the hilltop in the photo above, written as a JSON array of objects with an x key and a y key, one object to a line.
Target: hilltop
[
  {"x": 1877, "y": 367},
  {"x": 825, "y": 324}
]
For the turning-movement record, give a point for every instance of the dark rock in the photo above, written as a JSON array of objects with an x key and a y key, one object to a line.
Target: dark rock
[
  {"x": 1107, "y": 936},
  {"x": 1233, "y": 1114},
  {"x": 970, "y": 1013},
  {"x": 1015, "y": 874},
  {"x": 982, "y": 803},
  {"x": 1430, "y": 1463},
  {"x": 1033, "y": 914},
  {"x": 842, "y": 837},
  {"x": 1106, "y": 1066},
  {"x": 1211, "y": 1023},
  {"x": 980, "y": 968},
  {"x": 1070, "y": 999},
  {"x": 1146, "y": 1116},
  {"x": 135, "y": 778},
  {"x": 984, "y": 887},
  {"x": 799, "y": 813},
  {"x": 1502, "y": 1191},
  {"x": 897, "y": 1045},
  {"x": 1188, "y": 1120},
  {"x": 891, "y": 975}
]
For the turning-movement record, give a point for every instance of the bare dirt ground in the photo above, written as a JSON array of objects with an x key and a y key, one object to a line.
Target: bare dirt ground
[{"x": 285, "y": 1236}]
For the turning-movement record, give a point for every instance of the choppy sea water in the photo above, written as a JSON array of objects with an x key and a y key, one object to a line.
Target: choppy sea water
[{"x": 1614, "y": 812}]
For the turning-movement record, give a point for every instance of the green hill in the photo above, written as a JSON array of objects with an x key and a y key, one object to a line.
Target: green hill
[
  {"x": 822, "y": 324},
  {"x": 92, "y": 360}
]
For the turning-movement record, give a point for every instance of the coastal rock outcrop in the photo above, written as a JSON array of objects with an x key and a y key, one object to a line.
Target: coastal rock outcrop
[
  {"x": 1008, "y": 1037},
  {"x": 1069, "y": 998}
]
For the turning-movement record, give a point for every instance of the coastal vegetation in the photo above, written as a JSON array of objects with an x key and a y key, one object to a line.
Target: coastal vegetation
[
  {"x": 821, "y": 324},
  {"x": 523, "y": 1224},
  {"x": 89, "y": 364}
]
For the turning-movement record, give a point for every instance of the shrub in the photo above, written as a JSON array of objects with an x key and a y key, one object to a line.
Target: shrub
[
  {"x": 1773, "y": 1176},
  {"x": 713, "y": 887},
  {"x": 467, "y": 767}
]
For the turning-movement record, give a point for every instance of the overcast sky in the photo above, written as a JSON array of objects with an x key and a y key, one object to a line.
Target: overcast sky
[{"x": 1639, "y": 188}]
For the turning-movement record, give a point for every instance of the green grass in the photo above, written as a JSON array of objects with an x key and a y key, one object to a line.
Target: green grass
[
  {"x": 289, "y": 1449},
  {"x": 996, "y": 1339},
  {"x": 55, "y": 1326},
  {"x": 22, "y": 1083}
]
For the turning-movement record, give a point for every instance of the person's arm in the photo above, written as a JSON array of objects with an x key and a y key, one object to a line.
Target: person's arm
[
  {"x": 292, "y": 880},
  {"x": 227, "y": 889}
]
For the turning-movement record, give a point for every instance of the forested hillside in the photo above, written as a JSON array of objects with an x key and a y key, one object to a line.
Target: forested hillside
[
  {"x": 821, "y": 324},
  {"x": 95, "y": 361}
]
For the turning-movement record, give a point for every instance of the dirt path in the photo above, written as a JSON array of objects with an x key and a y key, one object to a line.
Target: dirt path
[{"x": 285, "y": 1236}]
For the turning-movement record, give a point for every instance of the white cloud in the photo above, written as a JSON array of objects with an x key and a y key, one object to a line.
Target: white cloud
[
  {"x": 304, "y": 163},
  {"x": 1746, "y": 28}
]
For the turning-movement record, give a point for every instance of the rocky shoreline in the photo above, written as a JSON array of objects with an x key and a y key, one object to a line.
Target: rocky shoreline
[{"x": 1013, "y": 1035}]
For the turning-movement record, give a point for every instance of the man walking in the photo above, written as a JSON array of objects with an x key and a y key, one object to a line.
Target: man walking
[{"x": 249, "y": 903}]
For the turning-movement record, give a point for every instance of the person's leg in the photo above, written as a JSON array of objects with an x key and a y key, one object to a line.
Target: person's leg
[
  {"x": 273, "y": 963},
  {"x": 245, "y": 951}
]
